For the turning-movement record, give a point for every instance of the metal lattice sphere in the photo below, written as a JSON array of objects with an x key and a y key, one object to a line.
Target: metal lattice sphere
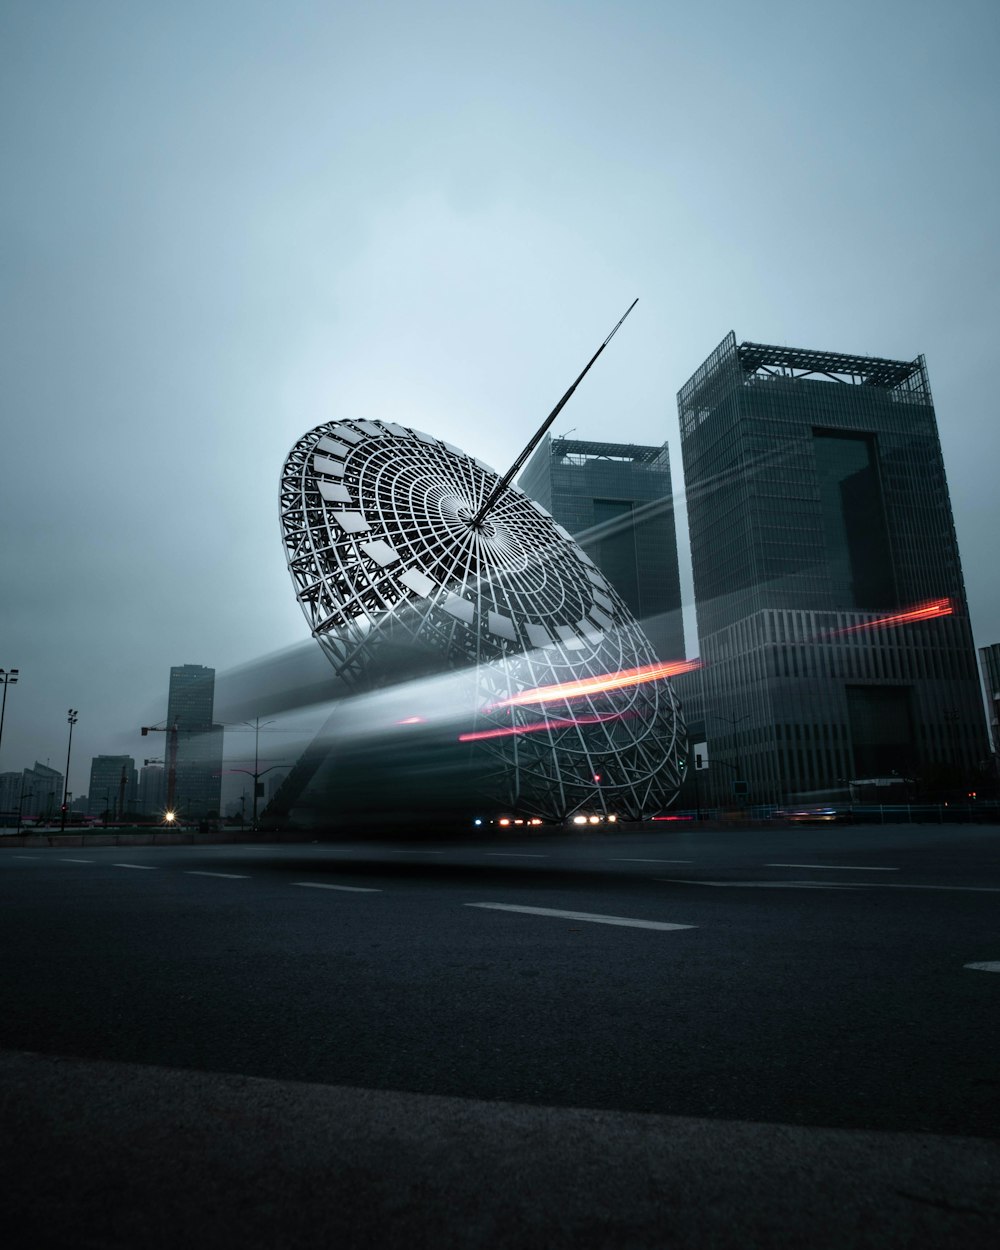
[{"x": 377, "y": 526}]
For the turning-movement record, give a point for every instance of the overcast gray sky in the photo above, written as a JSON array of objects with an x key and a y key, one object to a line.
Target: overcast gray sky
[{"x": 224, "y": 223}]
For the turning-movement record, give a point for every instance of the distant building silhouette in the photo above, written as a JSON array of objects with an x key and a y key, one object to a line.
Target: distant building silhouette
[
  {"x": 625, "y": 491},
  {"x": 818, "y": 512},
  {"x": 190, "y": 706},
  {"x": 152, "y": 790},
  {"x": 105, "y": 793},
  {"x": 10, "y": 797},
  {"x": 43, "y": 792}
]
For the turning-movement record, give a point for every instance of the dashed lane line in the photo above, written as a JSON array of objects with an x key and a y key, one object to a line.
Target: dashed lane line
[
  {"x": 144, "y": 867},
  {"x": 232, "y": 876},
  {"x": 621, "y": 859},
  {"x": 961, "y": 889},
  {"x": 991, "y": 965},
  {"x": 348, "y": 889},
  {"x": 515, "y": 855},
  {"x": 625, "y": 921},
  {"x": 834, "y": 885},
  {"x": 76, "y": 861},
  {"x": 837, "y": 867},
  {"x": 766, "y": 885}
]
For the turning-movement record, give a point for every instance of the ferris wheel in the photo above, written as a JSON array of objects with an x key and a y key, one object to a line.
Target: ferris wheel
[{"x": 396, "y": 538}]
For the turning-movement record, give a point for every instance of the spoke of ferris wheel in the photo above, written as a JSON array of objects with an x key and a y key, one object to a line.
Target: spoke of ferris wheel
[{"x": 505, "y": 481}]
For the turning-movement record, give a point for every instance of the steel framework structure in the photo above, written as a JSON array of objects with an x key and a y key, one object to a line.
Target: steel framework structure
[{"x": 379, "y": 527}]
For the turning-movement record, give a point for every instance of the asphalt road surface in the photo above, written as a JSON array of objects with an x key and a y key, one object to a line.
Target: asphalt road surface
[{"x": 809, "y": 979}]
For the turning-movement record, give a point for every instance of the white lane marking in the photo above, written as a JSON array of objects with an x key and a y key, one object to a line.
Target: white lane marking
[
  {"x": 234, "y": 876},
  {"x": 767, "y": 885},
  {"x": 962, "y": 889},
  {"x": 76, "y": 861},
  {"x": 515, "y": 854},
  {"x": 144, "y": 867},
  {"x": 626, "y": 921},
  {"x": 619, "y": 859},
  {"x": 843, "y": 867},
  {"x": 991, "y": 965},
  {"x": 838, "y": 885},
  {"x": 405, "y": 850},
  {"x": 350, "y": 889}
]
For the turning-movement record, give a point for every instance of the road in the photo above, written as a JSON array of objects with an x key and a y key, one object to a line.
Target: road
[{"x": 819, "y": 978}]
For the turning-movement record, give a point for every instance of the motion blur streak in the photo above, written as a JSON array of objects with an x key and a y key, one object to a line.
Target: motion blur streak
[
  {"x": 923, "y": 612},
  {"x": 555, "y": 723},
  {"x": 598, "y": 685}
]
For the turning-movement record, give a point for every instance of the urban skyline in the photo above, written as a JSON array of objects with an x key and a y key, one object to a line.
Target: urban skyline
[
  {"x": 183, "y": 701},
  {"x": 393, "y": 855},
  {"x": 166, "y": 347}
]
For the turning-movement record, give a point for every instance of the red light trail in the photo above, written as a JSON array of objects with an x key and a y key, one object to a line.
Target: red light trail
[
  {"x": 556, "y": 723},
  {"x": 621, "y": 680},
  {"x": 923, "y": 612}
]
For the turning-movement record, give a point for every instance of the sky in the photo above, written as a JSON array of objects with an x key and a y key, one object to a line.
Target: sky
[{"x": 224, "y": 223}]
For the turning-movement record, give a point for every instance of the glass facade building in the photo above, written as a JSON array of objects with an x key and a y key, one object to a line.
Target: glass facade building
[
  {"x": 819, "y": 512},
  {"x": 190, "y": 706},
  {"x": 616, "y": 499}
]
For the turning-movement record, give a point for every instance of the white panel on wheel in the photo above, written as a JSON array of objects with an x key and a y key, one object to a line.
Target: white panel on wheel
[
  {"x": 331, "y": 447},
  {"x": 418, "y": 582},
  {"x": 501, "y": 626},
  {"x": 334, "y": 492},
  {"x": 351, "y": 522},
  {"x": 459, "y": 608},
  {"x": 381, "y": 552}
]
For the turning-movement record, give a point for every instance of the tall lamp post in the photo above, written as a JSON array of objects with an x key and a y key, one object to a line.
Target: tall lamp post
[
  {"x": 256, "y": 774},
  {"x": 6, "y": 679},
  {"x": 72, "y": 717}
]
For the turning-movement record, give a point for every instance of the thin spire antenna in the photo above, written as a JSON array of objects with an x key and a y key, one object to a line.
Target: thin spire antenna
[{"x": 505, "y": 481}]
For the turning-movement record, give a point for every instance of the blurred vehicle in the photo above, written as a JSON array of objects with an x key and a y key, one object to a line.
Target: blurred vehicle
[{"x": 812, "y": 815}]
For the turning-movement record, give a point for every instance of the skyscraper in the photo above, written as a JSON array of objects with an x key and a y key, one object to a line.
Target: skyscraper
[
  {"x": 190, "y": 704},
  {"x": 616, "y": 500},
  {"x": 832, "y": 616}
]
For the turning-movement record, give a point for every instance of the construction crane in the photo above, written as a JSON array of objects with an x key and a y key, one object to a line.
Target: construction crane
[{"x": 171, "y": 732}]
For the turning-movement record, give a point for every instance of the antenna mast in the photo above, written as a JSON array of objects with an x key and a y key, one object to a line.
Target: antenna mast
[{"x": 505, "y": 481}]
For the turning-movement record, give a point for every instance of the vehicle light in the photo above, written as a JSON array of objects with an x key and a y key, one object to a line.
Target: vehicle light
[
  {"x": 579, "y": 820},
  {"x": 595, "y": 820}
]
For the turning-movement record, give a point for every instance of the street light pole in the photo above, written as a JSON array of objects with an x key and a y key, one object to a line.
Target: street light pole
[
  {"x": 72, "y": 717},
  {"x": 6, "y": 679},
  {"x": 20, "y": 804},
  {"x": 256, "y": 766},
  {"x": 736, "y": 750}
]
